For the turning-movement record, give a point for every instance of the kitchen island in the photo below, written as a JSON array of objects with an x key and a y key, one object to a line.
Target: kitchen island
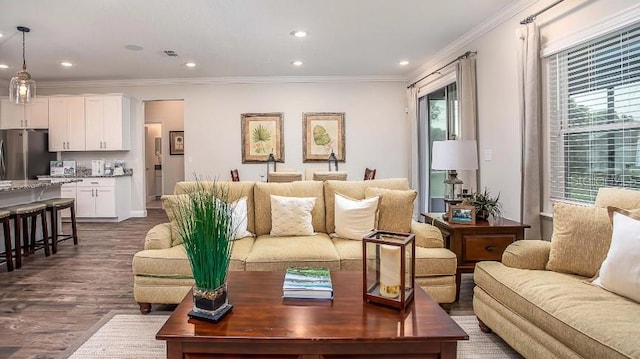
[{"x": 28, "y": 191}]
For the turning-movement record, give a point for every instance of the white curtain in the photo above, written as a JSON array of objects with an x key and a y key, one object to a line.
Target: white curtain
[
  {"x": 529, "y": 95},
  {"x": 468, "y": 112},
  {"x": 414, "y": 155}
]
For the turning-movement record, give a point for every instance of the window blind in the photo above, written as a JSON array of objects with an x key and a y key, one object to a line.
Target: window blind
[{"x": 594, "y": 119}]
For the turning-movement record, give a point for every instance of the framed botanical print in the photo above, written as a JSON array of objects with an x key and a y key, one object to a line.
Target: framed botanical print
[
  {"x": 176, "y": 142},
  {"x": 322, "y": 133},
  {"x": 262, "y": 134}
]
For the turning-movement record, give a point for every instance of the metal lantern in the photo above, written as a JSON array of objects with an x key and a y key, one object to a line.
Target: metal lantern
[
  {"x": 389, "y": 268},
  {"x": 333, "y": 160},
  {"x": 271, "y": 159}
]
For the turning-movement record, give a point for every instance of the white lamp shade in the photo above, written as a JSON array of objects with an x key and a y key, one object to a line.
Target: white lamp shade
[{"x": 454, "y": 155}]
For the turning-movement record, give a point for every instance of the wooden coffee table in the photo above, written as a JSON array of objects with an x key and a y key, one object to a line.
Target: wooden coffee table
[{"x": 262, "y": 323}]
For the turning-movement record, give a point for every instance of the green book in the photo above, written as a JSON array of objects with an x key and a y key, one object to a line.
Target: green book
[{"x": 307, "y": 283}]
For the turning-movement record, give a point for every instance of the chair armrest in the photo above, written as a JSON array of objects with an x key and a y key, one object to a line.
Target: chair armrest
[
  {"x": 158, "y": 237},
  {"x": 527, "y": 254},
  {"x": 427, "y": 236}
]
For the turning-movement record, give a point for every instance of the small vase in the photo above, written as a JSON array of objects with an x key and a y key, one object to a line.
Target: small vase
[
  {"x": 210, "y": 304},
  {"x": 482, "y": 215}
]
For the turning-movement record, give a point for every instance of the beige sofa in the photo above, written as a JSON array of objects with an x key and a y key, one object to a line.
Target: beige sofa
[
  {"x": 537, "y": 303},
  {"x": 163, "y": 276}
]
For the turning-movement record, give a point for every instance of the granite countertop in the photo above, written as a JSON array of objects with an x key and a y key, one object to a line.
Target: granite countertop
[
  {"x": 18, "y": 185},
  {"x": 87, "y": 174}
]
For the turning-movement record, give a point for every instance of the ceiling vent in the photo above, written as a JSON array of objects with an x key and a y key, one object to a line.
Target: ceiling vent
[{"x": 171, "y": 53}]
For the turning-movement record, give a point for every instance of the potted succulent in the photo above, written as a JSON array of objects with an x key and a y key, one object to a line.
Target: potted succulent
[
  {"x": 203, "y": 218},
  {"x": 486, "y": 205}
]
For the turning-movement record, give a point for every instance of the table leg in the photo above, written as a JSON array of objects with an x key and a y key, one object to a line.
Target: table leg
[
  {"x": 449, "y": 350},
  {"x": 458, "y": 282},
  {"x": 174, "y": 350}
]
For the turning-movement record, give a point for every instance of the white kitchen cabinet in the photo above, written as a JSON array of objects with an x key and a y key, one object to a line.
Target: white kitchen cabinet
[
  {"x": 66, "y": 124},
  {"x": 107, "y": 120},
  {"x": 32, "y": 115},
  {"x": 104, "y": 198}
]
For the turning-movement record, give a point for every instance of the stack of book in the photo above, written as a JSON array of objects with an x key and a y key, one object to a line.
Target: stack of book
[{"x": 307, "y": 283}]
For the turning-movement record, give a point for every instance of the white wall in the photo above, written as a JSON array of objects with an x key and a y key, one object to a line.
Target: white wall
[
  {"x": 377, "y": 133},
  {"x": 171, "y": 115},
  {"x": 498, "y": 116}
]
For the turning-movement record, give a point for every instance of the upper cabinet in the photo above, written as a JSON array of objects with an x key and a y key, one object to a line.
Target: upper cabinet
[
  {"x": 66, "y": 124},
  {"x": 32, "y": 115},
  {"x": 107, "y": 121},
  {"x": 89, "y": 123}
]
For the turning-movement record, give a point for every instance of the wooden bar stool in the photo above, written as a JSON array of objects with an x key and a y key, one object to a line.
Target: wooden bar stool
[
  {"x": 55, "y": 205},
  {"x": 21, "y": 213},
  {"x": 4, "y": 218}
]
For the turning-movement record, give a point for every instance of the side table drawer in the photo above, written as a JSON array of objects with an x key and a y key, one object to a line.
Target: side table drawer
[{"x": 486, "y": 247}]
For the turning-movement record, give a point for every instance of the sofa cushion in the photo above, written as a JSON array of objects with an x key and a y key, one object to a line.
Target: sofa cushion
[
  {"x": 277, "y": 253},
  {"x": 429, "y": 261},
  {"x": 618, "y": 197},
  {"x": 355, "y": 190},
  {"x": 262, "y": 196},
  {"x": 580, "y": 239},
  {"x": 174, "y": 263},
  {"x": 355, "y": 218},
  {"x": 236, "y": 190},
  {"x": 291, "y": 216},
  {"x": 620, "y": 271},
  {"x": 590, "y": 320},
  {"x": 395, "y": 211}
]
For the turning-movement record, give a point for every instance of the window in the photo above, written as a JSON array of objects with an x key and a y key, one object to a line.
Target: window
[
  {"x": 594, "y": 122},
  {"x": 438, "y": 112}
]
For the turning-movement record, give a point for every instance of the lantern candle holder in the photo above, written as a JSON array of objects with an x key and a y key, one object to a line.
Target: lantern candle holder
[{"x": 389, "y": 268}]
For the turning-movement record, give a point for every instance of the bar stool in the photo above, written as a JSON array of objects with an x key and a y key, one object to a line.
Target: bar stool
[
  {"x": 20, "y": 214},
  {"x": 55, "y": 205},
  {"x": 4, "y": 218}
]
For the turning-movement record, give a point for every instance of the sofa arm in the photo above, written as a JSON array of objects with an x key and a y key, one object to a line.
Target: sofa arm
[
  {"x": 427, "y": 236},
  {"x": 527, "y": 254},
  {"x": 158, "y": 237}
]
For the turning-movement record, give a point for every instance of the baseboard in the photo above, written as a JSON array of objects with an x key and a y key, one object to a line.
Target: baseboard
[{"x": 141, "y": 214}]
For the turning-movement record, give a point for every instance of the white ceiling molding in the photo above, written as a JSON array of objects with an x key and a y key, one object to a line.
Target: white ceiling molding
[
  {"x": 222, "y": 81},
  {"x": 452, "y": 51},
  {"x": 612, "y": 23}
]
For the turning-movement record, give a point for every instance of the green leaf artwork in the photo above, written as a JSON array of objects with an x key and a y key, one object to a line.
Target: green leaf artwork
[
  {"x": 320, "y": 136},
  {"x": 260, "y": 136}
]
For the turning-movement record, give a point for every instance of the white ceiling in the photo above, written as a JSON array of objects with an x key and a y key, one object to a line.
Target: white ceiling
[{"x": 231, "y": 38}]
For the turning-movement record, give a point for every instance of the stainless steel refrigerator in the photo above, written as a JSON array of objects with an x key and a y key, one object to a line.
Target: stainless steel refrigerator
[{"x": 24, "y": 154}]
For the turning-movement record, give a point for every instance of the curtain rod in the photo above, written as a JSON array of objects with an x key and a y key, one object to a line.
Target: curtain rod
[
  {"x": 463, "y": 56},
  {"x": 531, "y": 18}
]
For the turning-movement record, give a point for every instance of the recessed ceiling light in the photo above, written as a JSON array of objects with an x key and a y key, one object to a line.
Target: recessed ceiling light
[
  {"x": 1, "y": 35},
  {"x": 3, "y": 66},
  {"x": 66, "y": 64},
  {"x": 298, "y": 33},
  {"x": 403, "y": 63},
  {"x": 190, "y": 64},
  {"x": 296, "y": 63}
]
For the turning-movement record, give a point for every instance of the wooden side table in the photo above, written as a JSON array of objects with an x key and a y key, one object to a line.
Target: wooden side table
[{"x": 472, "y": 243}]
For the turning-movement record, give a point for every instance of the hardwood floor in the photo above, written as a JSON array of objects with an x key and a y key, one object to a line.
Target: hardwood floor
[{"x": 51, "y": 301}]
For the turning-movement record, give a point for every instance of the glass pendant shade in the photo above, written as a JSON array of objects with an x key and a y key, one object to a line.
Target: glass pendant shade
[{"x": 22, "y": 89}]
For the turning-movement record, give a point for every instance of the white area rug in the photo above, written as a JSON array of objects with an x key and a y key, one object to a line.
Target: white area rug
[{"x": 132, "y": 336}]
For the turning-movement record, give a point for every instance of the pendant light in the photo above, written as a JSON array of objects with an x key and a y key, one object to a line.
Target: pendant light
[{"x": 22, "y": 89}]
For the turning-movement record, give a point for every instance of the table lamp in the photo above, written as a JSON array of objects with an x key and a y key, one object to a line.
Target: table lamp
[{"x": 453, "y": 155}]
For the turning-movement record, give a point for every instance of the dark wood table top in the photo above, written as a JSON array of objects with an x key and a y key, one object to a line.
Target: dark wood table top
[
  {"x": 491, "y": 223},
  {"x": 260, "y": 313}
]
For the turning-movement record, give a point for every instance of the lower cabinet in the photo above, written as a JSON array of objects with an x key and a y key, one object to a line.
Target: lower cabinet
[
  {"x": 106, "y": 198},
  {"x": 67, "y": 190}
]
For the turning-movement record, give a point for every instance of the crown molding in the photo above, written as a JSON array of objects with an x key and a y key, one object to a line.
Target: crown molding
[
  {"x": 221, "y": 81},
  {"x": 448, "y": 53}
]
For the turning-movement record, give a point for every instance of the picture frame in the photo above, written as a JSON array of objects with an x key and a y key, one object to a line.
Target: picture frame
[
  {"x": 322, "y": 133},
  {"x": 176, "y": 143},
  {"x": 462, "y": 214},
  {"x": 262, "y": 133}
]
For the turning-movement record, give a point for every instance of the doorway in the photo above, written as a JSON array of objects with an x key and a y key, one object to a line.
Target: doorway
[{"x": 163, "y": 169}]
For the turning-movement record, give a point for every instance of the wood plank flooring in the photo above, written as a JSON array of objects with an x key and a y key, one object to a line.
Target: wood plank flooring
[{"x": 51, "y": 301}]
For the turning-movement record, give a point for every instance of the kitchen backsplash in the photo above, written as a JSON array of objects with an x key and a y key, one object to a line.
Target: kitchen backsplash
[{"x": 71, "y": 168}]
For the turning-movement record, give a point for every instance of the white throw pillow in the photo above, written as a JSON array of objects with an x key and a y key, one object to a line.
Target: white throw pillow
[
  {"x": 354, "y": 218},
  {"x": 620, "y": 271},
  {"x": 239, "y": 218},
  {"x": 291, "y": 216}
]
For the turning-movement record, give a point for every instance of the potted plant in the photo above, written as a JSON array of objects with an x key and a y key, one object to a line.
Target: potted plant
[
  {"x": 485, "y": 205},
  {"x": 203, "y": 218}
]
